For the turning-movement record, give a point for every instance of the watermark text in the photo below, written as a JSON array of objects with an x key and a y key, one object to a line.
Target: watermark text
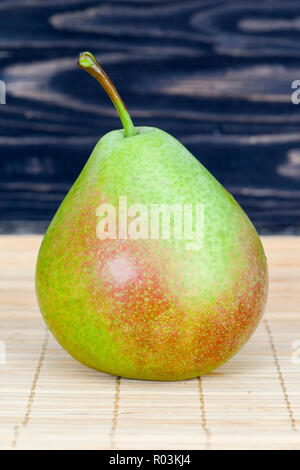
[
  {"x": 2, "y": 92},
  {"x": 160, "y": 221},
  {"x": 2, "y": 352},
  {"x": 296, "y": 354}
]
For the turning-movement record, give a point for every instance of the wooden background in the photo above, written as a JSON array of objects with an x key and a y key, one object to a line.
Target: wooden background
[{"x": 215, "y": 74}]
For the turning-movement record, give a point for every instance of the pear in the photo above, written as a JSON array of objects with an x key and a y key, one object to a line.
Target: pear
[{"x": 130, "y": 289}]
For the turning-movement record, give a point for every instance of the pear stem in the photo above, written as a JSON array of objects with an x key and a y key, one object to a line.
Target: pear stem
[{"x": 88, "y": 62}]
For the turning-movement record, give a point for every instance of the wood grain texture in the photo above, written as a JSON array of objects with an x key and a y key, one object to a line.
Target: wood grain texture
[
  {"x": 50, "y": 401},
  {"x": 215, "y": 74}
]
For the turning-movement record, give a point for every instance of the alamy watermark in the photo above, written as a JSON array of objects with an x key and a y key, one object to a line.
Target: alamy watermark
[
  {"x": 296, "y": 354},
  {"x": 295, "y": 97},
  {"x": 2, "y": 92},
  {"x": 160, "y": 221},
  {"x": 2, "y": 352}
]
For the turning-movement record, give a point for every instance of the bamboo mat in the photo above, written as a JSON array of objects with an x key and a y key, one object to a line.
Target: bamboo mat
[{"x": 50, "y": 401}]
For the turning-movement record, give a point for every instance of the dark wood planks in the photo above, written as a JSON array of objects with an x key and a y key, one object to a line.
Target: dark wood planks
[{"x": 215, "y": 74}]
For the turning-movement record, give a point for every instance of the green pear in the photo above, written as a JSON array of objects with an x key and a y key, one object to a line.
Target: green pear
[{"x": 150, "y": 269}]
